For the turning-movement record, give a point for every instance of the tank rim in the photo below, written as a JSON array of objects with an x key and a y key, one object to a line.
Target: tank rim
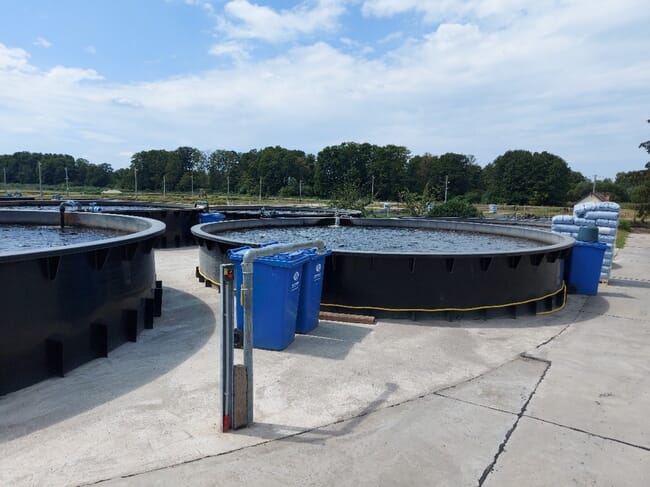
[{"x": 553, "y": 241}]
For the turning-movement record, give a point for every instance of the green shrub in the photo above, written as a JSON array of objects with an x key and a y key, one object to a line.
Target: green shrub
[
  {"x": 455, "y": 207},
  {"x": 625, "y": 225}
]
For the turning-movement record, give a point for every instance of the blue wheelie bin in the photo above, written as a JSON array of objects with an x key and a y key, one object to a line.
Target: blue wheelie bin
[
  {"x": 584, "y": 267},
  {"x": 311, "y": 289},
  {"x": 211, "y": 217},
  {"x": 276, "y": 292}
]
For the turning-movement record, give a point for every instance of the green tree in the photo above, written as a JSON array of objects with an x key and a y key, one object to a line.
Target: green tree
[
  {"x": 387, "y": 168},
  {"x": 420, "y": 172},
  {"x": 523, "y": 178},
  {"x": 223, "y": 170},
  {"x": 99, "y": 175}
]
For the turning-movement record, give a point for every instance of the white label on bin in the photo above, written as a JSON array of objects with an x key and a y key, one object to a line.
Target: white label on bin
[
  {"x": 318, "y": 275},
  {"x": 295, "y": 285}
]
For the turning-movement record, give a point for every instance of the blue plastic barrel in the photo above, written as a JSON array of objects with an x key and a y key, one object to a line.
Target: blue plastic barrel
[
  {"x": 211, "y": 217},
  {"x": 584, "y": 267},
  {"x": 276, "y": 293},
  {"x": 311, "y": 289}
]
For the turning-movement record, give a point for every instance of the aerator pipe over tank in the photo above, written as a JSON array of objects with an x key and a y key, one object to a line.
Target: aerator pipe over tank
[
  {"x": 247, "y": 300},
  {"x": 66, "y": 204}
]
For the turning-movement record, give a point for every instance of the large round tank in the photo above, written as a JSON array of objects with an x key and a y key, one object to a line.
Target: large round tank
[
  {"x": 63, "y": 306},
  {"x": 412, "y": 284},
  {"x": 178, "y": 218}
]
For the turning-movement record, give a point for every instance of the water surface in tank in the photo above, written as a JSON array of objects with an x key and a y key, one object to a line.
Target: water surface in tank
[
  {"x": 24, "y": 237},
  {"x": 384, "y": 239}
]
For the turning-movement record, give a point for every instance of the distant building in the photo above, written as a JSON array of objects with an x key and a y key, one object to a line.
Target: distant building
[{"x": 594, "y": 198}]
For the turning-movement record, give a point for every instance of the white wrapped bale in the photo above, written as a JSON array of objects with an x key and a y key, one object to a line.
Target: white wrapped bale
[
  {"x": 582, "y": 222},
  {"x": 608, "y": 239},
  {"x": 601, "y": 215},
  {"x": 582, "y": 208},
  {"x": 609, "y": 206},
  {"x": 563, "y": 219},
  {"x": 560, "y": 228},
  {"x": 606, "y": 231},
  {"x": 601, "y": 222}
]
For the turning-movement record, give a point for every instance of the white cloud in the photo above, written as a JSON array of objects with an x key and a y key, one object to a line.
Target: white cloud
[
  {"x": 236, "y": 50},
  {"x": 63, "y": 74},
  {"x": 100, "y": 137},
  {"x": 452, "y": 10},
  {"x": 206, "y": 6},
  {"x": 246, "y": 20},
  {"x": 42, "y": 42},
  {"x": 126, "y": 102},
  {"x": 13, "y": 58}
]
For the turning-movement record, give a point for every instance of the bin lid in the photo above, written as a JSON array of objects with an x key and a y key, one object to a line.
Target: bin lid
[
  {"x": 283, "y": 259},
  {"x": 313, "y": 252},
  {"x": 237, "y": 255}
]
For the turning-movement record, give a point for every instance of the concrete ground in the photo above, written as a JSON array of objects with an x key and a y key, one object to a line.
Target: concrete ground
[{"x": 561, "y": 399}]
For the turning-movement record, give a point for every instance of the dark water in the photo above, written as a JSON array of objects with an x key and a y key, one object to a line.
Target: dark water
[
  {"x": 28, "y": 237},
  {"x": 384, "y": 239}
]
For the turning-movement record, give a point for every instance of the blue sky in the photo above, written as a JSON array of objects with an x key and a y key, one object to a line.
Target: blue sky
[{"x": 103, "y": 79}]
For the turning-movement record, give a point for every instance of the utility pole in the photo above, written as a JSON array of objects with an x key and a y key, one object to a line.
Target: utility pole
[
  {"x": 594, "y": 187},
  {"x": 164, "y": 187},
  {"x": 372, "y": 189},
  {"x": 446, "y": 187},
  {"x": 5, "y": 173},
  {"x": 260, "y": 195},
  {"x": 40, "y": 180},
  {"x": 300, "y": 190},
  {"x": 67, "y": 183},
  {"x": 135, "y": 177},
  {"x": 228, "y": 189},
  {"x": 192, "y": 182}
]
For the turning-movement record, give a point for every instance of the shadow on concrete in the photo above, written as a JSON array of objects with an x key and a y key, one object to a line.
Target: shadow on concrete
[
  {"x": 296, "y": 434},
  {"x": 173, "y": 340},
  {"x": 329, "y": 340},
  {"x": 629, "y": 283}
]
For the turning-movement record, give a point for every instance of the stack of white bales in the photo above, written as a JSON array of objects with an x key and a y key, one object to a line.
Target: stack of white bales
[{"x": 604, "y": 215}]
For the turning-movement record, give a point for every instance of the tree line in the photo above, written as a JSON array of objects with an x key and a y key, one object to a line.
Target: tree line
[{"x": 366, "y": 170}]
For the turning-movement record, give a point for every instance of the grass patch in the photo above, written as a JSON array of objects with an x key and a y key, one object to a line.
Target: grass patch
[{"x": 624, "y": 229}]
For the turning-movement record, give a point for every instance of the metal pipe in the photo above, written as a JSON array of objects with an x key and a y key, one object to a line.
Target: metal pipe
[
  {"x": 73, "y": 205},
  {"x": 227, "y": 352},
  {"x": 247, "y": 302}
]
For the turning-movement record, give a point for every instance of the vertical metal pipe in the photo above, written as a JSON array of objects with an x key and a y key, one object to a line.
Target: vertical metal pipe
[
  {"x": 227, "y": 345},
  {"x": 247, "y": 302},
  {"x": 62, "y": 215}
]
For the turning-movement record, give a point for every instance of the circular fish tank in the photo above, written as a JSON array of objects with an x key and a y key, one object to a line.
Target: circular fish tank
[
  {"x": 413, "y": 268},
  {"x": 178, "y": 219},
  {"x": 72, "y": 293}
]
